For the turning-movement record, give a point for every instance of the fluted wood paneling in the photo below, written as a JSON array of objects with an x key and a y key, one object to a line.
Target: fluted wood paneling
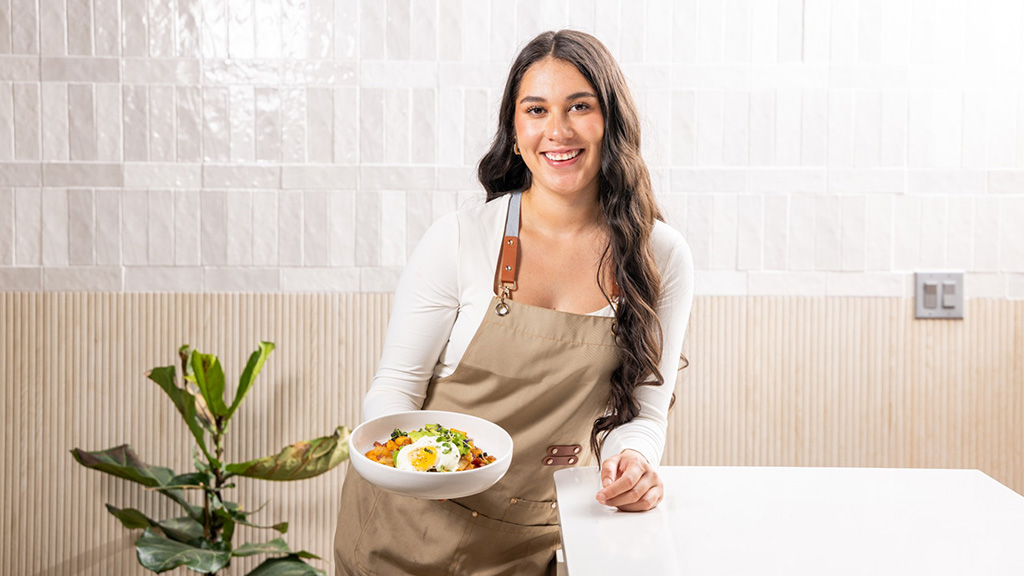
[
  {"x": 73, "y": 367},
  {"x": 851, "y": 382},
  {"x": 772, "y": 381}
]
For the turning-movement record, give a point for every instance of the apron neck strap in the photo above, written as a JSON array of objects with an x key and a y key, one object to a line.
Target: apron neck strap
[
  {"x": 510, "y": 243},
  {"x": 510, "y": 248}
]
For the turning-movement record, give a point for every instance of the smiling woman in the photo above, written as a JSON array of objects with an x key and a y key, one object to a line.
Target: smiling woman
[
  {"x": 555, "y": 310},
  {"x": 559, "y": 129}
]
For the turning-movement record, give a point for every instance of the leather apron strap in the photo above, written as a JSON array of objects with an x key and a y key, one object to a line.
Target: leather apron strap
[{"x": 508, "y": 272}]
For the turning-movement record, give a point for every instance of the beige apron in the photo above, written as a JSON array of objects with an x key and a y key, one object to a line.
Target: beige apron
[{"x": 544, "y": 377}]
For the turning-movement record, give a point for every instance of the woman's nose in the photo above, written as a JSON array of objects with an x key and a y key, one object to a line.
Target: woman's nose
[{"x": 559, "y": 127}]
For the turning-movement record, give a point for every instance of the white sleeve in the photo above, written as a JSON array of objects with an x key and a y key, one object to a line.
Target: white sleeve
[
  {"x": 426, "y": 304},
  {"x": 646, "y": 432}
]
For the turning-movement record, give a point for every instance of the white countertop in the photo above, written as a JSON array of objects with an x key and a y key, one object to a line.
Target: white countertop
[{"x": 797, "y": 521}]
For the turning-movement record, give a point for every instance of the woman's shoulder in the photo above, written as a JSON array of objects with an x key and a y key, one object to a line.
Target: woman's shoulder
[
  {"x": 670, "y": 248},
  {"x": 479, "y": 211},
  {"x": 473, "y": 217},
  {"x": 479, "y": 220}
]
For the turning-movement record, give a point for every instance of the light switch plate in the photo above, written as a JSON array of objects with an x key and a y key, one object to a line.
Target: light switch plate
[{"x": 942, "y": 281}]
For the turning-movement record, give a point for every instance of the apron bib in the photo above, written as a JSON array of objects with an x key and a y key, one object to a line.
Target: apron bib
[{"x": 543, "y": 376}]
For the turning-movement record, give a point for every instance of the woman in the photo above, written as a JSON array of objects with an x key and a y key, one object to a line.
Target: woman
[{"x": 556, "y": 309}]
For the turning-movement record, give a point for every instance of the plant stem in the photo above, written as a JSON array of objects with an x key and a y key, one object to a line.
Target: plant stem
[
  {"x": 218, "y": 476},
  {"x": 218, "y": 472}
]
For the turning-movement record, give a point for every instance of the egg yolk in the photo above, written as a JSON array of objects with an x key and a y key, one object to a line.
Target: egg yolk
[{"x": 423, "y": 459}]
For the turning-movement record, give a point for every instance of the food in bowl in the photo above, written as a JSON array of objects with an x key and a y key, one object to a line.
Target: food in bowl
[
  {"x": 432, "y": 448},
  {"x": 487, "y": 435}
]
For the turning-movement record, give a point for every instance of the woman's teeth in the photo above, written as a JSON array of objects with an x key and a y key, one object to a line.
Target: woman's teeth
[{"x": 560, "y": 156}]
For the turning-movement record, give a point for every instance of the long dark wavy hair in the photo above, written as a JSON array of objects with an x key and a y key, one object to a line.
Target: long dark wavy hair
[{"x": 627, "y": 201}]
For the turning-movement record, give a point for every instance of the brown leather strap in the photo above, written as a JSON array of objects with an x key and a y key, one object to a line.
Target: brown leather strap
[
  {"x": 564, "y": 449},
  {"x": 509, "y": 260},
  {"x": 510, "y": 243}
]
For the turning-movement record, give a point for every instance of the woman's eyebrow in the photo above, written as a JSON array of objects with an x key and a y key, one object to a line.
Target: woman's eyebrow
[
  {"x": 576, "y": 95},
  {"x": 573, "y": 96}
]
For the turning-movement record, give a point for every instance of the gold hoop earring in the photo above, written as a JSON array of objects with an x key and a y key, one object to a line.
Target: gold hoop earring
[{"x": 515, "y": 148}]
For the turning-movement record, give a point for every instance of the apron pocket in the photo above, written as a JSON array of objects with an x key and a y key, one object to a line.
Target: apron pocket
[
  {"x": 409, "y": 536},
  {"x": 531, "y": 512},
  {"x": 496, "y": 548}
]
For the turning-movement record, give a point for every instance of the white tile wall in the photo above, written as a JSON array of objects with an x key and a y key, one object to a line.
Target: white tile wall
[
  {"x": 826, "y": 147},
  {"x": 6, "y": 121},
  {"x": 55, "y": 228},
  {"x": 6, "y": 227},
  {"x": 28, "y": 218},
  {"x": 108, "y": 213}
]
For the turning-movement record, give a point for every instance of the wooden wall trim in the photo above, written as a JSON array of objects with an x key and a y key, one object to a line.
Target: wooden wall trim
[{"x": 772, "y": 382}]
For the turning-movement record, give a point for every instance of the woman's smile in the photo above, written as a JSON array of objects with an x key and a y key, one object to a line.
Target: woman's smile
[{"x": 562, "y": 158}]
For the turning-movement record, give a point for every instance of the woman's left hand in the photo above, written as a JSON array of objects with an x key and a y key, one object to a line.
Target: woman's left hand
[{"x": 630, "y": 483}]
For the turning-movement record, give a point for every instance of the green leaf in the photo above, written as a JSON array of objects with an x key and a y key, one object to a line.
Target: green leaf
[
  {"x": 224, "y": 513},
  {"x": 252, "y": 370},
  {"x": 194, "y": 512},
  {"x": 288, "y": 566},
  {"x": 122, "y": 462},
  {"x": 210, "y": 380},
  {"x": 281, "y": 527},
  {"x": 241, "y": 516},
  {"x": 185, "y": 354},
  {"x": 299, "y": 461},
  {"x": 130, "y": 517},
  {"x": 161, "y": 554},
  {"x": 190, "y": 481},
  {"x": 182, "y": 529},
  {"x": 184, "y": 401},
  {"x": 276, "y": 546}
]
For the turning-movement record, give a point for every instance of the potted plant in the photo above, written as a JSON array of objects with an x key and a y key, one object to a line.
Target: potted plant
[{"x": 201, "y": 538}]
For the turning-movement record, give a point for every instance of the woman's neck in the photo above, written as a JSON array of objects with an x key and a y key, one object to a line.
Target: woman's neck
[{"x": 558, "y": 215}]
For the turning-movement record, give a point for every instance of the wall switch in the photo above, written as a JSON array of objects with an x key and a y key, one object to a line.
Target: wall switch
[
  {"x": 948, "y": 294},
  {"x": 939, "y": 294},
  {"x": 931, "y": 295}
]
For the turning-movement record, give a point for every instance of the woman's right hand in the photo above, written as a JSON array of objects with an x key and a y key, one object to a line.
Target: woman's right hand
[{"x": 630, "y": 483}]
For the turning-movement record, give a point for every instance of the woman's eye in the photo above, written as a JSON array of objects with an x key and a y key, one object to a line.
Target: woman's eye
[
  {"x": 534, "y": 110},
  {"x": 579, "y": 106}
]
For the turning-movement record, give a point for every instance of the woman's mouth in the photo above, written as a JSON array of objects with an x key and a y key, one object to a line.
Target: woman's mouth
[{"x": 562, "y": 156}]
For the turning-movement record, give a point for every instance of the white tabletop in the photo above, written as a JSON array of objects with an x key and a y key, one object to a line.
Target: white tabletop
[{"x": 797, "y": 521}]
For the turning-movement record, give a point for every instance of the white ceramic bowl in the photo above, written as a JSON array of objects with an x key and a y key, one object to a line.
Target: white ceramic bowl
[{"x": 487, "y": 436}]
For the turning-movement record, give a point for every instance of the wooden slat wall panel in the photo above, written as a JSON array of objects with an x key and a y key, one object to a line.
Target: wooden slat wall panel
[
  {"x": 851, "y": 382},
  {"x": 772, "y": 381},
  {"x": 73, "y": 370}
]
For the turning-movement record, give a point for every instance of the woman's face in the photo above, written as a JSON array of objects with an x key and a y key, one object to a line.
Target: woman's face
[{"x": 559, "y": 128}]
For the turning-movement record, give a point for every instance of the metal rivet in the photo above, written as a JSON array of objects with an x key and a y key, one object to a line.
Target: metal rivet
[
  {"x": 511, "y": 242},
  {"x": 554, "y": 450},
  {"x": 508, "y": 267},
  {"x": 572, "y": 460},
  {"x": 554, "y": 504},
  {"x": 550, "y": 461},
  {"x": 576, "y": 450},
  {"x": 514, "y": 501},
  {"x": 475, "y": 514}
]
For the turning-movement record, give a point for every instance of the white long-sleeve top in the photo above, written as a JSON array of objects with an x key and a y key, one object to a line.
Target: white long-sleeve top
[{"x": 446, "y": 289}]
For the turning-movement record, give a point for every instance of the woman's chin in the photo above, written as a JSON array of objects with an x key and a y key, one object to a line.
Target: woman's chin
[{"x": 566, "y": 186}]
